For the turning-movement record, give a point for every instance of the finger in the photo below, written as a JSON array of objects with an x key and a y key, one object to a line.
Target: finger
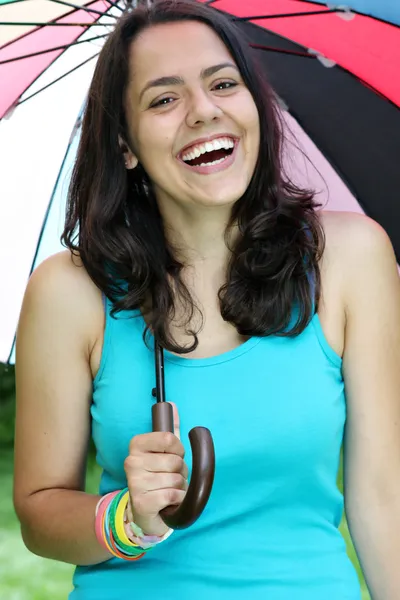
[
  {"x": 161, "y": 481},
  {"x": 153, "y": 502},
  {"x": 158, "y": 441},
  {"x": 164, "y": 463},
  {"x": 185, "y": 471}
]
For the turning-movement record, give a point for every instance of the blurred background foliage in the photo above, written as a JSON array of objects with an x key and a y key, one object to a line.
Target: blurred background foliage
[
  {"x": 23, "y": 575},
  {"x": 7, "y": 404}
]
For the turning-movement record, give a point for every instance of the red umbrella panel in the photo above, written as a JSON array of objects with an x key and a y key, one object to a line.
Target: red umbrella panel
[{"x": 367, "y": 47}]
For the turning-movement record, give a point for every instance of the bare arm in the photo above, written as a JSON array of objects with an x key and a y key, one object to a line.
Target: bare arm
[
  {"x": 54, "y": 385},
  {"x": 371, "y": 370}
]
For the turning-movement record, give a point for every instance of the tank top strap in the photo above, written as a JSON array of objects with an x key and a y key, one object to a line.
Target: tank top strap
[
  {"x": 311, "y": 281},
  {"x": 310, "y": 275}
]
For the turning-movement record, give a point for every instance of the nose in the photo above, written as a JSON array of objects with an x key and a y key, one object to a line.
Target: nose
[{"x": 202, "y": 109}]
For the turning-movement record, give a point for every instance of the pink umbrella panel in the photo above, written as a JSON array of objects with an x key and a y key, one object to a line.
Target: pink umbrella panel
[{"x": 35, "y": 47}]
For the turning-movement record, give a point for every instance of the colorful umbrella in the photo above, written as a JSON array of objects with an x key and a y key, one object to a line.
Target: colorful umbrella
[{"x": 335, "y": 71}]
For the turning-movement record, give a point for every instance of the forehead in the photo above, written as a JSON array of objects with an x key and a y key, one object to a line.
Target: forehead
[{"x": 181, "y": 48}]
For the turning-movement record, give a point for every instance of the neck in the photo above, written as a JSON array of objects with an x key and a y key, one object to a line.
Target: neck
[{"x": 198, "y": 236}]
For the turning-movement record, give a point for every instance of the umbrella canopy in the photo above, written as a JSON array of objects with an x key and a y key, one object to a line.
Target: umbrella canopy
[
  {"x": 334, "y": 70},
  {"x": 386, "y": 10}
]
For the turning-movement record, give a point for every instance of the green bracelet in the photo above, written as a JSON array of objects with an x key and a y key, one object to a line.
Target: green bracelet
[{"x": 130, "y": 550}]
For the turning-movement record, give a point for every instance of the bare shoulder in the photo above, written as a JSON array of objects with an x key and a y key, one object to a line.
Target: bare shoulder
[
  {"x": 63, "y": 269},
  {"x": 352, "y": 232},
  {"x": 359, "y": 248},
  {"x": 61, "y": 286}
]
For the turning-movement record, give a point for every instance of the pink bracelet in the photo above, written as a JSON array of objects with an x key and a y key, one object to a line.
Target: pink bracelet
[
  {"x": 101, "y": 508},
  {"x": 100, "y": 502}
]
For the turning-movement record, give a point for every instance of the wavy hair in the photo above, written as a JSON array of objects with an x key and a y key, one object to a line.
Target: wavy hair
[{"x": 113, "y": 222}]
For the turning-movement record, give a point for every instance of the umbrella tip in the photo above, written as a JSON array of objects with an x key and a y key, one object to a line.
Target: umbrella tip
[
  {"x": 343, "y": 11},
  {"x": 324, "y": 60}
]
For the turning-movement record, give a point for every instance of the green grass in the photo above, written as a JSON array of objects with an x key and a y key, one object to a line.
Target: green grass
[{"x": 25, "y": 576}]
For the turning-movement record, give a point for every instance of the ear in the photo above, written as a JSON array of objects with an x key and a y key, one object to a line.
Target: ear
[{"x": 130, "y": 159}]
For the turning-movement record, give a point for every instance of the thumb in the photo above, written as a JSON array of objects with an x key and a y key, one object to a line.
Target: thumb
[{"x": 177, "y": 422}]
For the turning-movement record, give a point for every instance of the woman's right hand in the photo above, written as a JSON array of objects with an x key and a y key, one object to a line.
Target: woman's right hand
[{"x": 157, "y": 476}]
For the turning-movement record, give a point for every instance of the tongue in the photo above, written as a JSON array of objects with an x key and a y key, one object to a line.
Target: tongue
[{"x": 209, "y": 157}]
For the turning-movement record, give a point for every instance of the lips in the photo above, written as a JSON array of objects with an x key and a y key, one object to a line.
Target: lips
[
  {"x": 214, "y": 166},
  {"x": 206, "y": 140}
]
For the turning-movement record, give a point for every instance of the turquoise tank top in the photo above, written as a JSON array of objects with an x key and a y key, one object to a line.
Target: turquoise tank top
[{"x": 276, "y": 409}]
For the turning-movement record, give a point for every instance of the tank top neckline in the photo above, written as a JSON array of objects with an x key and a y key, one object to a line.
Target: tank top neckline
[
  {"x": 242, "y": 349},
  {"x": 209, "y": 360}
]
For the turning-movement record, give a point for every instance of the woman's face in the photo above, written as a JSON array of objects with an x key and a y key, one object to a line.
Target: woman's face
[{"x": 192, "y": 122}]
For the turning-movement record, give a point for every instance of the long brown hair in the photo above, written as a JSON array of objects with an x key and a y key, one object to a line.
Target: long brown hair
[{"x": 114, "y": 223}]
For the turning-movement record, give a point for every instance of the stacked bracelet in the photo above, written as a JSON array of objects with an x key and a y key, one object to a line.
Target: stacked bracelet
[
  {"x": 116, "y": 530},
  {"x": 105, "y": 534}
]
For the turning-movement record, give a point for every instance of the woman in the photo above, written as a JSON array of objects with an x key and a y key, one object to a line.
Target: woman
[{"x": 281, "y": 330}]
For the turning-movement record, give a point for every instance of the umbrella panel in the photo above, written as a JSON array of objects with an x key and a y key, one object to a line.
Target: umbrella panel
[
  {"x": 356, "y": 130},
  {"x": 20, "y": 74},
  {"x": 368, "y": 48}
]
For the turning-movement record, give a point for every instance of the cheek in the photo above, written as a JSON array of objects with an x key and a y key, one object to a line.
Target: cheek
[
  {"x": 253, "y": 136},
  {"x": 153, "y": 145},
  {"x": 251, "y": 124},
  {"x": 254, "y": 121}
]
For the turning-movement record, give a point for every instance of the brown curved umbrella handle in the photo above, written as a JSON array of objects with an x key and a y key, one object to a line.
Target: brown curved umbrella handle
[{"x": 203, "y": 469}]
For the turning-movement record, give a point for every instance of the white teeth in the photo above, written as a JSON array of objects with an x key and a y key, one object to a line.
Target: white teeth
[
  {"x": 217, "y": 144},
  {"x": 214, "y": 162}
]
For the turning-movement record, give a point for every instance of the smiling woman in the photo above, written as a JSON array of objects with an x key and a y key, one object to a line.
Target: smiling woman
[
  {"x": 169, "y": 108},
  {"x": 280, "y": 327},
  {"x": 181, "y": 103}
]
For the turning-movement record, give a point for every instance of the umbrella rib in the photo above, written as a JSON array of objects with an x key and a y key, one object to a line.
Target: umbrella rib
[
  {"x": 57, "y": 80},
  {"x": 46, "y": 216},
  {"x": 115, "y": 5},
  {"x": 24, "y": 35},
  {"x": 368, "y": 85},
  {"x": 285, "y": 15},
  {"x": 314, "y": 56},
  {"x": 282, "y": 51},
  {"x": 65, "y": 47},
  {"x": 85, "y": 8}
]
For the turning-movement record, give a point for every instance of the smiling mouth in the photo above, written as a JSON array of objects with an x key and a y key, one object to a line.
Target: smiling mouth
[{"x": 209, "y": 154}]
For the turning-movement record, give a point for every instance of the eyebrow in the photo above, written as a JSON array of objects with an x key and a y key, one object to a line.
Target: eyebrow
[{"x": 176, "y": 80}]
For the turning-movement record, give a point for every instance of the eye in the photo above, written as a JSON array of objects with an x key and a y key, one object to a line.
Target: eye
[
  {"x": 224, "y": 85},
  {"x": 162, "y": 102}
]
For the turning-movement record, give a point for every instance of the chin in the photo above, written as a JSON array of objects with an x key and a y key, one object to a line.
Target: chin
[
  {"x": 222, "y": 201},
  {"x": 223, "y": 196}
]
